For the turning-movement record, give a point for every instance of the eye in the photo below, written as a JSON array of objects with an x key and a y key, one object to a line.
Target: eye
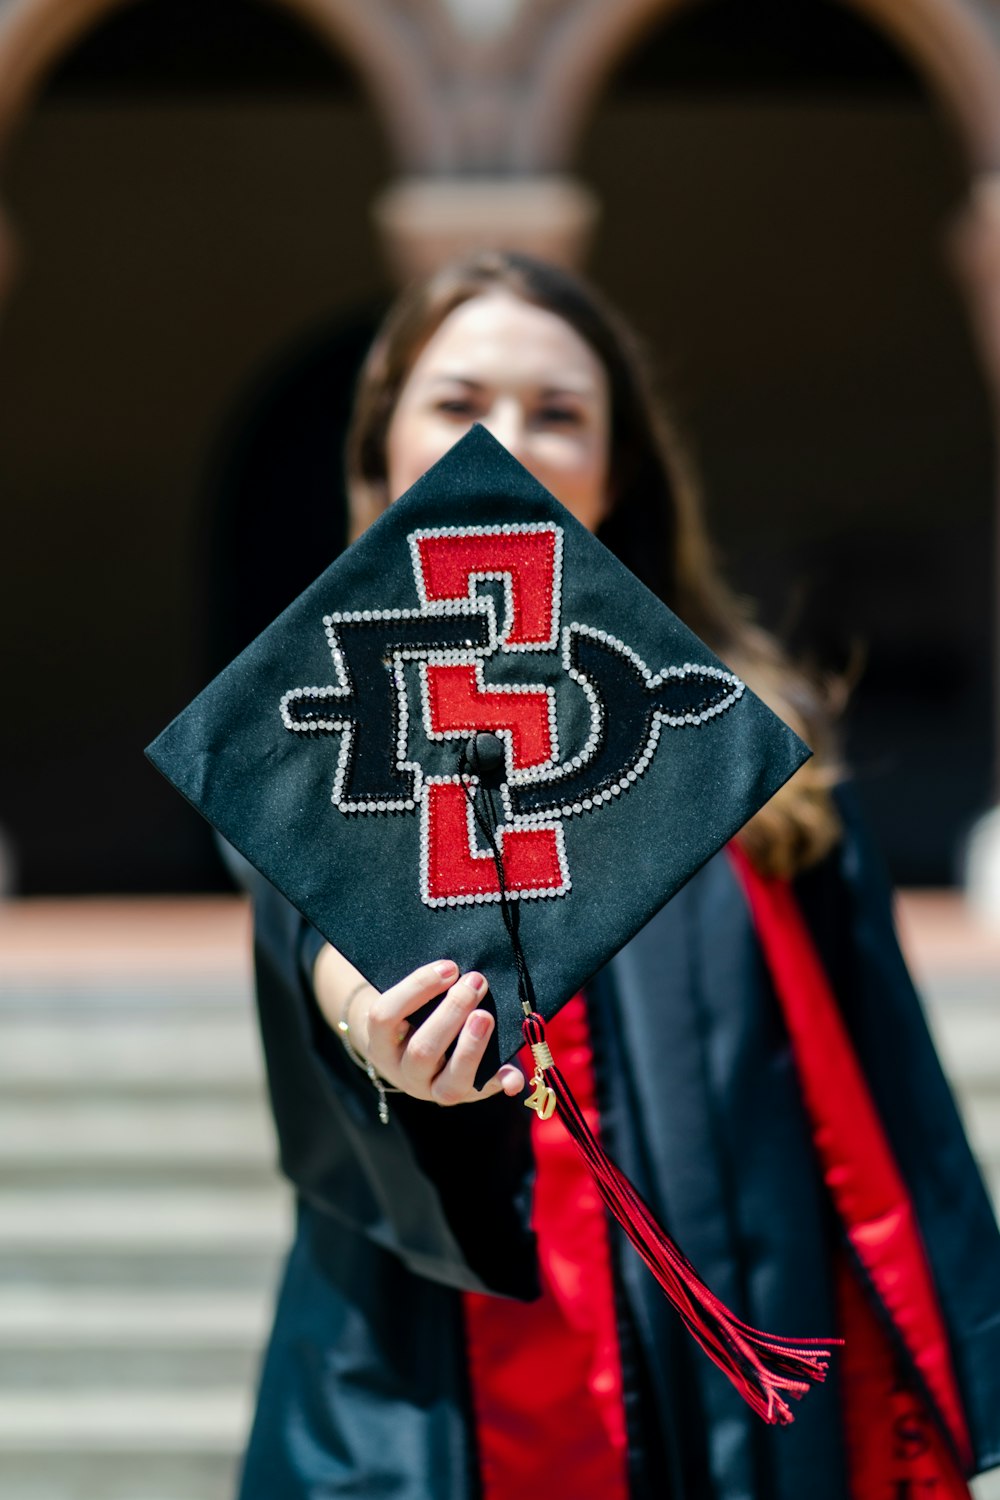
[
  {"x": 559, "y": 416},
  {"x": 455, "y": 406}
]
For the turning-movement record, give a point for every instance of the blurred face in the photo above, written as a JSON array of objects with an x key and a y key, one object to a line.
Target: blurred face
[{"x": 526, "y": 375}]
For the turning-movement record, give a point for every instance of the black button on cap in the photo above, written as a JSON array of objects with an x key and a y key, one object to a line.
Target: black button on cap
[{"x": 485, "y": 758}]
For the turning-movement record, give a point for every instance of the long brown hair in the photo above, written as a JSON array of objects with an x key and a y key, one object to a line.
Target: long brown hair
[{"x": 654, "y": 525}]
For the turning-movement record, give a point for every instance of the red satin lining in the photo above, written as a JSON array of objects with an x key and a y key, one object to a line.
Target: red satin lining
[
  {"x": 858, "y": 1166},
  {"x": 894, "y": 1450},
  {"x": 546, "y": 1376}
]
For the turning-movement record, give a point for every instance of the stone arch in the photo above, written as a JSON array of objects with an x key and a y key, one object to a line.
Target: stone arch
[
  {"x": 276, "y": 297},
  {"x": 953, "y": 47},
  {"x": 952, "y": 44},
  {"x": 35, "y": 33}
]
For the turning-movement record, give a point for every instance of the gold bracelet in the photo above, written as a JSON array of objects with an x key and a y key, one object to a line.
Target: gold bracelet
[
  {"x": 377, "y": 1082},
  {"x": 343, "y": 1025}
]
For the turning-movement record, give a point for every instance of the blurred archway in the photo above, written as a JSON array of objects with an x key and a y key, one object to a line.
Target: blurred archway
[
  {"x": 951, "y": 44},
  {"x": 791, "y": 269},
  {"x": 779, "y": 181},
  {"x": 190, "y": 189}
]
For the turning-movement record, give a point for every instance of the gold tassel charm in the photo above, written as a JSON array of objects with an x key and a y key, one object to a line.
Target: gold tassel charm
[{"x": 542, "y": 1099}]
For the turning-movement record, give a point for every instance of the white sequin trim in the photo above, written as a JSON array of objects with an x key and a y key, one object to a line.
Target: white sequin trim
[
  {"x": 504, "y": 576},
  {"x": 504, "y": 735},
  {"x": 342, "y": 689},
  {"x": 482, "y": 898},
  {"x": 641, "y": 765}
]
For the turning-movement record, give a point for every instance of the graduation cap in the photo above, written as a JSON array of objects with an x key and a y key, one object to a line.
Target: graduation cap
[{"x": 478, "y": 734}]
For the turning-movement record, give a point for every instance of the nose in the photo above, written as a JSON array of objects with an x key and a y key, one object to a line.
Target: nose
[{"x": 505, "y": 420}]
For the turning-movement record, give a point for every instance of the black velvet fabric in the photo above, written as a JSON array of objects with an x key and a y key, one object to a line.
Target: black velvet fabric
[
  {"x": 356, "y": 875},
  {"x": 364, "y": 1389}
]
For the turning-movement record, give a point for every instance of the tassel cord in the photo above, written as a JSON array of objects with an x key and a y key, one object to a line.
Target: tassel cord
[
  {"x": 760, "y": 1365},
  {"x": 735, "y": 1346},
  {"x": 509, "y": 910}
]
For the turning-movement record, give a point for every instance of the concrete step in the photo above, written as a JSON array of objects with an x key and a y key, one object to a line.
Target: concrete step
[
  {"x": 117, "y": 1419},
  {"x": 145, "y": 1132},
  {"x": 54, "y": 1317},
  {"x": 140, "y": 992},
  {"x": 96, "y": 1061},
  {"x": 65, "y": 1475},
  {"x": 96, "y": 1143},
  {"x": 981, "y": 1114},
  {"x": 103, "y": 1177},
  {"x": 175, "y": 1181},
  {"x": 968, "y": 1043},
  {"x": 107, "y": 1052},
  {"x": 946, "y": 989},
  {"x": 138, "y": 1222},
  {"x": 38, "y": 1371},
  {"x": 192, "y": 1239},
  {"x": 153, "y": 1268},
  {"x": 117, "y": 1443},
  {"x": 52, "y": 1338}
]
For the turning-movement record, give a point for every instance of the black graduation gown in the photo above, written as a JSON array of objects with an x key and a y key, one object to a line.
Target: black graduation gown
[{"x": 364, "y": 1387}]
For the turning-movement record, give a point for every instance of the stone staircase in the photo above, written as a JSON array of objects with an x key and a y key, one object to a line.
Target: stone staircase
[{"x": 141, "y": 1218}]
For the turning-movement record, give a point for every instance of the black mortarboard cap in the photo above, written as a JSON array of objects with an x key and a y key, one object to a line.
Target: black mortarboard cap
[
  {"x": 478, "y": 644},
  {"x": 478, "y": 736}
]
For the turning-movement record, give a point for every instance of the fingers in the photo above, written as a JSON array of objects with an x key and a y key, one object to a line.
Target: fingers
[
  {"x": 415, "y": 990},
  {"x": 454, "y": 1082},
  {"x": 427, "y": 1045},
  {"x": 386, "y": 1024},
  {"x": 509, "y": 1080},
  {"x": 415, "y": 1059},
  {"x": 412, "y": 1058}
]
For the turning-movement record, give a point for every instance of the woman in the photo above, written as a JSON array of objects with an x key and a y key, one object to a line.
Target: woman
[{"x": 396, "y": 1367}]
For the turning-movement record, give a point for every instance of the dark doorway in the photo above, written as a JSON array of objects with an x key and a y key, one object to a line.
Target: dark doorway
[
  {"x": 191, "y": 194},
  {"x": 776, "y": 188}
]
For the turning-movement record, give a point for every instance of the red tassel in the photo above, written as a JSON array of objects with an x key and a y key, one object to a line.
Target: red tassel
[{"x": 760, "y": 1365}]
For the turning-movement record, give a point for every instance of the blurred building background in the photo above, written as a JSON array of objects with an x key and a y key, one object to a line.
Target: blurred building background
[{"x": 205, "y": 205}]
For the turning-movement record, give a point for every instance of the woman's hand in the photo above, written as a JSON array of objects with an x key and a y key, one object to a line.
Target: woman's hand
[{"x": 413, "y": 1058}]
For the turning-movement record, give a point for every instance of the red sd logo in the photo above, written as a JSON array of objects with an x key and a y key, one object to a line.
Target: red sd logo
[{"x": 450, "y": 640}]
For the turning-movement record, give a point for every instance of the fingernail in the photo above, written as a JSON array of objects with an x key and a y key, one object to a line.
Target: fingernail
[
  {"x": 511, "y": 1079},
  {"x": 446, "y": 969},
  {"x": 477, "y": 982},
  {"x": 479, "y": 1025}
]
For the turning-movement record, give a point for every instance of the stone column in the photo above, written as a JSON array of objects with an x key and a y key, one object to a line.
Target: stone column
[
  {"x": 974, "y": 245},
  {"x": 424, "y": 221},
  {"x": 8, "y": 260}
]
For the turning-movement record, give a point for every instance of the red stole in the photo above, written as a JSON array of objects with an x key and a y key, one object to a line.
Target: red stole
[
  {"x": 894, "y": 1448},
  {"x": 546, "y": 1376}
]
